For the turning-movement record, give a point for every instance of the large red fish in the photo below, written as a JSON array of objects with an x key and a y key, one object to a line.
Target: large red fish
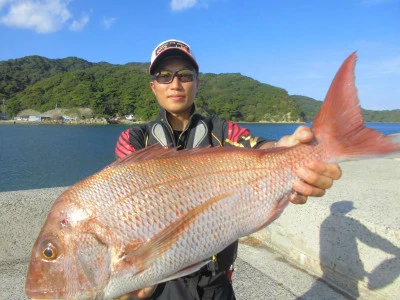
[{"x": 161, "y": 213}]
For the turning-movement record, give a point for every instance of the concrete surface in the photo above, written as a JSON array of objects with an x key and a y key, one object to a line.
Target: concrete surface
[
  {"x": 351, "y": 236},
  {"x": 325, "y": 249}
]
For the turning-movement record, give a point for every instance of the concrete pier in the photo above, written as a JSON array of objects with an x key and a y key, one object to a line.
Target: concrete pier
[
  {"x": 350, "y": 237},
  {"x": 344, "y": 245}
]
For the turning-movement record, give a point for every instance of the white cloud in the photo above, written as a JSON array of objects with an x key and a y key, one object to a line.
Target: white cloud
[
  {"x": 42, "y": 16},
  {"x": 178, "y": 5},
  {"x": 78, "y": 25},
  {"x": 107, "y": 22}
]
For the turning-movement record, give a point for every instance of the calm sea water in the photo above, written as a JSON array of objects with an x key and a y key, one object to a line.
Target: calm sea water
[{"x": 40, "y": 156}]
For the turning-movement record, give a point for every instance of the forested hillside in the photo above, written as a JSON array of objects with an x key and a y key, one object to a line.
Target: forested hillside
[
  {"x": 42, "y": 84},
  {"x": 311, "y": 106},
  {"x": 17, "y": 74}
]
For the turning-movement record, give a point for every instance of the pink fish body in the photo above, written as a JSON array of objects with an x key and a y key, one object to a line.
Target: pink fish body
[{"x": 160, "y": 213}]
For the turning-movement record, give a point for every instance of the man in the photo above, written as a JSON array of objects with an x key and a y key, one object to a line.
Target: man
[{"x": 174, "y": 72}]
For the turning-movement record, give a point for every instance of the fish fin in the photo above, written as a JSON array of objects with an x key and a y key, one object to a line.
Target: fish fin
[
  {"x": 157, "y": 151},
  {"x": 187, "y": 271},
  {"x": 133, "y": 246},
  {"x": 339, "y": 123},
  {"x": 146, "y": 254},
  {"x": 275, "y": 212},
  {"x": 143, "y": 154},
  {"x": 150, "y": 152}
]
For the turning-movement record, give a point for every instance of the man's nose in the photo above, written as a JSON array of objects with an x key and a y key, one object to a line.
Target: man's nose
[{"x": 175, "y": 81}]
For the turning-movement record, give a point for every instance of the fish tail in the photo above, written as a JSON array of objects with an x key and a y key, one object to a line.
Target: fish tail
[{"x": 339, "y": 124}]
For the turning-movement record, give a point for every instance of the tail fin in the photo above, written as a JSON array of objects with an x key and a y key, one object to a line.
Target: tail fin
[{"x": 339, "y": 123}]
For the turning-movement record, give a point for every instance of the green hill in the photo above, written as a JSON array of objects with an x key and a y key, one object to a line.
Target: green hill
[
  {"x": 42, "y": 84},
  {"x": 17, "y": 74},
  {"x": 311, "y": 106}
]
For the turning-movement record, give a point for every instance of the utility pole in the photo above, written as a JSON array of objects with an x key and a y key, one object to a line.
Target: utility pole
[{"x": 4, "y": 106}]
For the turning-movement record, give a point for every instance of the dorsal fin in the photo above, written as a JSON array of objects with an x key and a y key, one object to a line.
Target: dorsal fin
[
  {"x": 157, "y": 151},
  {"x": 149, "y": 152}
]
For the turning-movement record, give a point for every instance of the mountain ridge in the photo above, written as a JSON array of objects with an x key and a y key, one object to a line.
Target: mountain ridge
[{"x": 40, "y": 83}]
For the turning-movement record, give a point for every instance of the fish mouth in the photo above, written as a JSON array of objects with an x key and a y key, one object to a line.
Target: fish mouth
[
  {"x": 55, "y": 294},
  {"x": 39, "y": 294}
]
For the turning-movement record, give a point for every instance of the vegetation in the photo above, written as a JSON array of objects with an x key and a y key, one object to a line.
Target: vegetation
[
  {"x": 382, "y": 116},
  {"x": 310, "y": 107},
  {"x": 42, "y": 84},
  {"x": 239, "y": 98}
]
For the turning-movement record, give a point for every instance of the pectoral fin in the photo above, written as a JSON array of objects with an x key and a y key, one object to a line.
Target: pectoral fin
[
  {"x": 144, "y": 255},
  {"x": 187, "y": 271},
  {"x": 275, "y": 213}
]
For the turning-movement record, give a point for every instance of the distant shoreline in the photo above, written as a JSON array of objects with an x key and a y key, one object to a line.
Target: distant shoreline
[
  {"x": 67, "y": 123},
  {"x": 126, "y": 122},
  {"x": 123, "y": 122}
]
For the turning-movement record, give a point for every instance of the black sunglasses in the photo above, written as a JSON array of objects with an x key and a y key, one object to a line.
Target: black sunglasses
[{"x": 184, "y": 75}]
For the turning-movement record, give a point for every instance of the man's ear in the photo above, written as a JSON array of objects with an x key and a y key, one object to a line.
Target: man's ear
[{"x": 152, "y": 86}]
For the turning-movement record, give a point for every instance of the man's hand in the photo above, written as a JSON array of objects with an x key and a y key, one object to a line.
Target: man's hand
[
  {"x": 139, "y": 294},
  {"x": 316, "y": 177}
]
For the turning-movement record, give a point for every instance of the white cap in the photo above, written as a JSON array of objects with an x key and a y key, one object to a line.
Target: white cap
[{"x": 170, "y": 48}]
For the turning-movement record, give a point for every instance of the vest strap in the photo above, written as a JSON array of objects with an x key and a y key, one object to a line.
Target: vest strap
[{"x": 159, "y": 134}]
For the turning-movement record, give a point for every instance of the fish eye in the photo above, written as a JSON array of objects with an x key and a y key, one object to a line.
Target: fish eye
[{"x": 49, "y": 252}]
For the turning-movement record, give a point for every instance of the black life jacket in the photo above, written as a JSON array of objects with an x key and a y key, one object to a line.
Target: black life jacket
[{"x": 200, "y": 132}]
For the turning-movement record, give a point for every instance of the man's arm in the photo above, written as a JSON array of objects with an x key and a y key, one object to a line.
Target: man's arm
[{"x": 130, "y": 140}]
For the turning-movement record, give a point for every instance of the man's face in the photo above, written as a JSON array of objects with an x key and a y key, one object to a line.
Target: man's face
[{"x": 175, "y": 97}]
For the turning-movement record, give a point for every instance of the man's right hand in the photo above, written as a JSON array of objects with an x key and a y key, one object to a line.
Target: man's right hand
[{"x": 139, "y": 294}]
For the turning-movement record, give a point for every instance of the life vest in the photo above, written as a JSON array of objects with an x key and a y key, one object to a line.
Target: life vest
[{"x": 200, "y": 132}]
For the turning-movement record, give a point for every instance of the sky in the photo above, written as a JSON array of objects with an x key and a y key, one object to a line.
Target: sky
[{"x": 291, "y": 44}]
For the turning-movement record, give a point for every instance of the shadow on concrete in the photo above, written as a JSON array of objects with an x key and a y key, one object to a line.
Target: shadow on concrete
[{"x": 340, "y": 258}]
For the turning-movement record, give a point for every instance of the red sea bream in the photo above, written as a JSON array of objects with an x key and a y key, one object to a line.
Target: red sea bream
[{"x": 160, "y": 213}]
